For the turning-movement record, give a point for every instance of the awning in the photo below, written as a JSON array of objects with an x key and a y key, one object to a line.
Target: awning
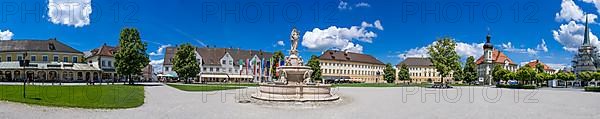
[
  {"x": 225, "y": 76},
  {"x": 168, "y": 75}
]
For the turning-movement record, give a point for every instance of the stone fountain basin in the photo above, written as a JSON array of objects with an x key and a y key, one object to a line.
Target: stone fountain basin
[
  {"x": 295, "y": 74},
  {"x": 276, "y": 92}
]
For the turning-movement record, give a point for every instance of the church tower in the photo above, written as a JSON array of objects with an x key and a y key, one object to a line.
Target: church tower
[
  {"x": 584, "y": 59},
  {"x": 488, "y": 48},
  {"x": 488, "y": 60}
]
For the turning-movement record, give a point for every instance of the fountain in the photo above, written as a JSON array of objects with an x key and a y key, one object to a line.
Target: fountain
[{"x": 294, "y": 83}]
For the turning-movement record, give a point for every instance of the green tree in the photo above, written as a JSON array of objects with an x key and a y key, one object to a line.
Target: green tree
[
  {"x": 403, "y": 73},
  {"x": 526, "y": 74},
  {"x": 444, "y": 57},
  {"x": 277, "y": 57},
  {"x": 543, "y": 77},
  {"x": 498, "y": 73},
  {"x": 131, "y": 56},
  {"x": 510, "y": 76},
  {"x": 314, "y": 65},
  {"x": 389, "y": 73},
  {"x": 458, "y": 75},
  {"x": 185, "y": 63},
  {"x": 470, "y": 70},
  {"x": 585, "y": 76},
  {"x": 539, "y": 67},
  {"x": 596, "y": 76}
]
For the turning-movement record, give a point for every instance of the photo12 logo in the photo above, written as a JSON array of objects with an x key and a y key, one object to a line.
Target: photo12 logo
[
  {"x": 468, "y": 94},
  {"x": 253, "y": 12},
  {"x": 470, "y": 12}
]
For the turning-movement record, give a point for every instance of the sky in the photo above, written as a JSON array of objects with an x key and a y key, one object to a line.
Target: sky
[{"x": 390, "y": 30}]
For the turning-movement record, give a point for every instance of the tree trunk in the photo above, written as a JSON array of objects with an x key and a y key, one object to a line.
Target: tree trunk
[{"x": 130, "y": 80}]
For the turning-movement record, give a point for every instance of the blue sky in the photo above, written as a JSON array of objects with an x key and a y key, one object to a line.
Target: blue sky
[{"x": 387, "y": 29}]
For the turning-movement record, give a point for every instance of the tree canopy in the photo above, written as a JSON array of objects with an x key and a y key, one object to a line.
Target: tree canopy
[
  {"x": 314, "y": 65},
  {"x": 185, "y": 63},
  {"x": 389, "y": 73},
  {"x": 444, "y": 57},
  {"x": 498, "y": 73},
  {"x": 131, "y": 56},
  {"x": 526, "y": 74},
  {"x": 470, "y": 70},
  {"x": 277, "y": 57},
  {"x": 403, "y": 73}
]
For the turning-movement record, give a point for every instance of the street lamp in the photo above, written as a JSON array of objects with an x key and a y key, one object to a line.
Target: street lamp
[{"x": 23, "y": 62}]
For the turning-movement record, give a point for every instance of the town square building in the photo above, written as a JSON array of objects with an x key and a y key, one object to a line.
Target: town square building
[
  {"x": 226, "y": 64},
  {"x": 103, "y": 58},
  {"x": 547, "y": 69},
  {"x": 50, "y": 61},
  {"x": 340, "y": 66},
  {"x": 421, "y": 70},
  {"x": 490, "y": 58}
]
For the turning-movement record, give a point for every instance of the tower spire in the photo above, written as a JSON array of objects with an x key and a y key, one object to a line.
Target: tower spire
[{"x": 586, "y": 39}]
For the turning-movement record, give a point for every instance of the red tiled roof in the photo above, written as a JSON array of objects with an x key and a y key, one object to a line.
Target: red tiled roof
[
  {"x": 349, "y": 56},
  {"x": 212, "y": 56},
  {"x": 535, "y": 62},
  {"x": 497, "y": 57},
  {"x": 104, "y": 50}
]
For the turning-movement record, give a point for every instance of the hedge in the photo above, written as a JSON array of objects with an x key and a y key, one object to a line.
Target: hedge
[
  {"x": 516, "y": 86},
  {"x": 592, "y": 88}
]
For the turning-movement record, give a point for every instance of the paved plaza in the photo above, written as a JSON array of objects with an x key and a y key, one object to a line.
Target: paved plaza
[{"x": 356, "y": 103}]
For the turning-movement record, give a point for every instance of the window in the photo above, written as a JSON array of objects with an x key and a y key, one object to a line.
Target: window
[
  {"x": 110, "y": 64},
  {"x": 0, "y": 61},
  {"x": 230, "y": 62},
  {"x": 45, "y": 58},
  {"x": 166, "y": 68},
  {"x": 55, "y": 59},
  {"x": 103, "y": 63},
  {"x": 222, "y": 61},
  {"x": 19, "y": 58},
  {"x": 75, "y": 59},
  {"x": 65, "y": 59},
  {"x": 33, "y": 58},
  {"x": 8, "y": 58}
]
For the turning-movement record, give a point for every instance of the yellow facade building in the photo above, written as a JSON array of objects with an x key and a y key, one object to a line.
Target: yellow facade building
[{"x": 340, "y": 66}]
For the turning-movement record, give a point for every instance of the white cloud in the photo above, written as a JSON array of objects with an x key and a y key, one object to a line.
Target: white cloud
[
  {"x": 570, "y": 11},
  {"x": 344, "y": 6},
  {"x": 542, "y": 46},
  {"x": 571, "y": 36},
  {"x": 280, "y": 43},
  {"x": 70, "y": 12},
  {"x": 464, "y": 50},
  {"x": 596, "y": 4},
  {"x": 378, "y": 25},
  {"x": 415, "y": 52},
  {"x": 508, "y": 47},
  {"x": 556, "y": 66},
  {"x": 160, "y": 50},
  {"x": 157, "y": 65},
  {"x": 362, "y": 4},
  {"x": 6, "y": 35},
  {"x": 341, "y": 38}
]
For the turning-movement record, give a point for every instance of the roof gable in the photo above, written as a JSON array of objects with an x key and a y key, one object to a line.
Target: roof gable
[
  {"x": 50, "y": 45},
  {"x": 497, "y": 57},
  {"x": 349, "y": 56}
]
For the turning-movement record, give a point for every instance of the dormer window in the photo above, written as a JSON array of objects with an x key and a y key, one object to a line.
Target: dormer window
[{"x": 51, "y": 46}]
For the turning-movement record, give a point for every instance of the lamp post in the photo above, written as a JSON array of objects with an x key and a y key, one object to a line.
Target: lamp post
[{"x": 23, "y": 62}]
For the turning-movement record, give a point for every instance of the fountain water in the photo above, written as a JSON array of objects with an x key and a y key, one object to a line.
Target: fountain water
[{"x": 294, "y": 82}]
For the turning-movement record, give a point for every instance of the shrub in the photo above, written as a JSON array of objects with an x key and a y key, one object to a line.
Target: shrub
[
  {"x": 520, "y": 86},
  {"x": 592, "y": 88}
]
